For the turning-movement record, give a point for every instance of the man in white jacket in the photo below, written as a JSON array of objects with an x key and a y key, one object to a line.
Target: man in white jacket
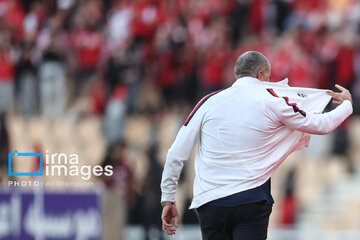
[{"x": 245, "y": 132}]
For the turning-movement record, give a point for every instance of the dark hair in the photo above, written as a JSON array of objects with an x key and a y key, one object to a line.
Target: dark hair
[{"x": 250, "y": 63}]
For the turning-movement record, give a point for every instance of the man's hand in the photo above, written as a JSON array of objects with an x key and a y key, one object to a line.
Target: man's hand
[
  {"x": 169, "y": 212},
  {"x": 341, "y": 96}
]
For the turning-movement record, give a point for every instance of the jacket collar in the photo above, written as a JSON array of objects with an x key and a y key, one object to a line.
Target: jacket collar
[{"x": 245, "y": 81}]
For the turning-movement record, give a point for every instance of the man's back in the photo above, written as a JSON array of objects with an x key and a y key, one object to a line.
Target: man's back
[{"x": 235, "y": 121}]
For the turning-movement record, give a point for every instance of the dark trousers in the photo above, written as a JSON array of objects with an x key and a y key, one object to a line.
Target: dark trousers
[{"x": 243, "y": 222}]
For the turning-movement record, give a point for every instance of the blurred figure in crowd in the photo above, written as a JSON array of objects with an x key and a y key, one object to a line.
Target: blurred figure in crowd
[
  {"x": 124, "y": 69},
  {"x": 345, "y": 75},
  {"x": 114, "y": 117},
  {"x": 7, "y": 69},
  {"x": 119, "y": 195},
  {"x": 87, "y": 42},
  {"x": 341, "y": 146},
  {"x": 4, "y": 147},
  {"x": 34, "y": 19},
  {"x": 122, "y": 179},
  {"x": 53, "y": 82},
  {"x": 289, "y": 205},
  {"x": 27, "y": 85},
  {"x": 146, "y": 207},
  {"x": 150, "y": 196},
  {"x": 51, "y": 56}
]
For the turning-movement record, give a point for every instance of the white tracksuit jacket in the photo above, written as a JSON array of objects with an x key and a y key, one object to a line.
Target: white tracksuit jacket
[{"x": 245, "y": 132}]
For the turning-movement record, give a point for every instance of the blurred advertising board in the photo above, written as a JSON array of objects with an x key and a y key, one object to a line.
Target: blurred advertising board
[{"x": 41, "y": 215}]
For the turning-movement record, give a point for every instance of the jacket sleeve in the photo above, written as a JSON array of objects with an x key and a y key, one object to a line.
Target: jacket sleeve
[
  {"x": 180, "y": 152},
  {"x": 280, "y": 110}
]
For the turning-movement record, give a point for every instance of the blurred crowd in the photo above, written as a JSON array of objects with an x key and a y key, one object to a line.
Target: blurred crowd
[
  {"x": 121, "y": 53},
  {"x": 53, "y": 52}
]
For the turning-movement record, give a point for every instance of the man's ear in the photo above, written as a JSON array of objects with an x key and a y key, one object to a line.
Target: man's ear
[{"x": 260, "y": 75}]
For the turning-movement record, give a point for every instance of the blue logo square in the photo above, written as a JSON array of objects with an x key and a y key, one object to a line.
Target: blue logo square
[{"x": 16, "y": 153}]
